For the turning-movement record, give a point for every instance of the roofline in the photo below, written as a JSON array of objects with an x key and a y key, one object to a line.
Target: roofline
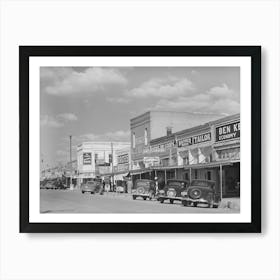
[
  {"x": 169, "y": 111},
  {"x": 194, "y": 128}
]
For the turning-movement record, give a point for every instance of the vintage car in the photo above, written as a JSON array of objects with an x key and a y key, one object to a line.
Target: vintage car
[
  {"x": 201, "y": 192},
  {"x": 49, "y": 185},
  {"x": 93, "y": 186},
  {"x": 144, "y": 188},
  {"x": 172, "y": 190},
  {"x": 120, "y": 186}
]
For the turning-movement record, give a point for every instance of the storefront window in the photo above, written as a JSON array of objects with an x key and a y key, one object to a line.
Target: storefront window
[
  {"x": 146, "y": 137},
  {"x": 133, "y": 140}
]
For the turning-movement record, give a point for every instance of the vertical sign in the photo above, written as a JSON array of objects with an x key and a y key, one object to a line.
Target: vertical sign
[{"x": 86, "y": 158}]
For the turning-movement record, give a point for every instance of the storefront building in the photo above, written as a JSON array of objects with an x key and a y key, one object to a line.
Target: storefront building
[
  {"x": 153, "y": 125},
  {"x": 94, "y": 159},
  {"x": 227, "y": 152},
  {"x": 210, "y": 151}
]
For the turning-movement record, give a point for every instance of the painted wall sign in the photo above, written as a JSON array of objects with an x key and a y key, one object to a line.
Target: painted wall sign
[
  {"x": 195, "y": 140},
  {"x": 123, "y": 159},
  {"x": 151, "y": 161},
  {"x": 86, "y": 158},
  {"x": 227, "y": 132}
]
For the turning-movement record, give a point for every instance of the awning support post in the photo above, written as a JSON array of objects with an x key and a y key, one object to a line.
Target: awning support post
[
  {"x": 165, "y": 176},
  {"x": 221, "y": 181},
  {"x": 175, "y": 174},
  {"x": 190, "y": 175}
]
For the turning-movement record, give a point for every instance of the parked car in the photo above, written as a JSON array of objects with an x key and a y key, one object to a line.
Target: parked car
[
  {"x": 49, "y": 185},
  {"x": 120, "y": 186},
  {"x": 93, "y": 186},
  {"x": 172, "y": 190},
  {"x": 59, "y": 185},
  {"x": 144, "y": 188},
  {"x": 201, "y": 192}
]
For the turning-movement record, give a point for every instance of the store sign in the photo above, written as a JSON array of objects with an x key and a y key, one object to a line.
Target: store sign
[
  {"x": 151, "y": 161},
  {"x": 194, "y": 140},
  {"x": 227, "y": 132},
  {"x": 123, "y": 159},
  {"x": 123, "y": 167},
  {"x": 159, "y": 148},
  {"x": 86, "y": 158}
]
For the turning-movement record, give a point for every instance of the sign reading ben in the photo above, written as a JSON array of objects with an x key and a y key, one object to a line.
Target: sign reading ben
[
  {"x": 226, "y": 132},
  {"x": 86, "y": 158}
]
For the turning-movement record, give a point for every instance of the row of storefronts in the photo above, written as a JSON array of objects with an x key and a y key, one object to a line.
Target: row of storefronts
[{"x": 209, "y": 151}]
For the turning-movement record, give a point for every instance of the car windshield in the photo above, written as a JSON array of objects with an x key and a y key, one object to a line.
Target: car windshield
[
  {"x": 143, "y": 184},
  {"x": 175, "y": 183},
  {"x": 201, "y": 183},
  {"x": 91, "y": 182}
]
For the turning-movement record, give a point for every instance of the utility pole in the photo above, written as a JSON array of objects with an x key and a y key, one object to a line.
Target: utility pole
[
  {"x": 112, "y": 152},
  {"x": 70, "y": 161}
]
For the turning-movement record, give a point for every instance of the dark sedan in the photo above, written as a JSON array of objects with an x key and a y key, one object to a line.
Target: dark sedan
[
  {"x": 172, "y": 190},
  {"x": 201, "y": 192},
  {"x": 93, "y": 186}
]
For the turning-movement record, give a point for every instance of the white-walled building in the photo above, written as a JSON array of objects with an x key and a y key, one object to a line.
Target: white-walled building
[{"x": 95, "y": 158}]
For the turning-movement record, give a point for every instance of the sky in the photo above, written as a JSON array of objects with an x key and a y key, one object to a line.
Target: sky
[{"x": 97, "y": 103}]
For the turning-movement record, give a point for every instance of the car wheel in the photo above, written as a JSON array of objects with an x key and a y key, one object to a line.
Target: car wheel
[
  {"x": 171, "y": 201},
  {"x": 92, "y": 192},
  {"x": 144, "y": 198},
  {"x": 195, "y": 204},
  {"x": 161, "y": 200},
  {"x": 83, "y": 192},
  {"x": 185, "y": 203},
  {"x": 151, "y": 196},
  {"x": 211, "y": 204},
  {"x": 134, "y": 197},
  {"x": 215, "y": 206}
]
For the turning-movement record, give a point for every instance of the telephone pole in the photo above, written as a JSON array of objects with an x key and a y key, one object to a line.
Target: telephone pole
[
  {"x": 71, "y": 185},
  {"x": 112, "y": 152}
]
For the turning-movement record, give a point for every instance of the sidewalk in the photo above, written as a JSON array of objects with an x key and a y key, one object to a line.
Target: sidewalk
[{"x": 231, "y": 203}]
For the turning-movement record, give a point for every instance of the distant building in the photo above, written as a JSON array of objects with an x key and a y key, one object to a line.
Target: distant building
[{"x": 96, "y": 159}]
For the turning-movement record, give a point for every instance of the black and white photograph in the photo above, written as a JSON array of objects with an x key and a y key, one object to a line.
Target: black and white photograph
[{"x": 140, "y": 140}]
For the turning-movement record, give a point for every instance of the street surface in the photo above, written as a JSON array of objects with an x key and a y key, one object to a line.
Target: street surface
[{"x": 66, "y": 201}]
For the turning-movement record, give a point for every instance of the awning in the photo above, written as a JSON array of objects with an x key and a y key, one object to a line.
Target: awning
[
  {"x": 140, "y": 171},
  {"x": 210, "y": 164},
  {"x": 167, "y": 167}
]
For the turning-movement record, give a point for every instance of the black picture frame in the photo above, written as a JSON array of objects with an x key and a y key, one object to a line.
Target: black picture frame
[{"x": 25, "y": 52}]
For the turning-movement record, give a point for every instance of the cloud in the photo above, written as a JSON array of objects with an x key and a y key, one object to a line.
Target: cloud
[
  {"x": 67, "y": 117},
  {"x": 222, "y": 92},
  {"x": 65, "y": 81},
  {"x": 57, "y": 121},
  {"x": 217, "y": 100},
  {"x": 49, "y": 121},
  {"x": 118, "y": 100},
  {"x": 163, "y": 88},
  {"x": 119, "y": 135}
]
